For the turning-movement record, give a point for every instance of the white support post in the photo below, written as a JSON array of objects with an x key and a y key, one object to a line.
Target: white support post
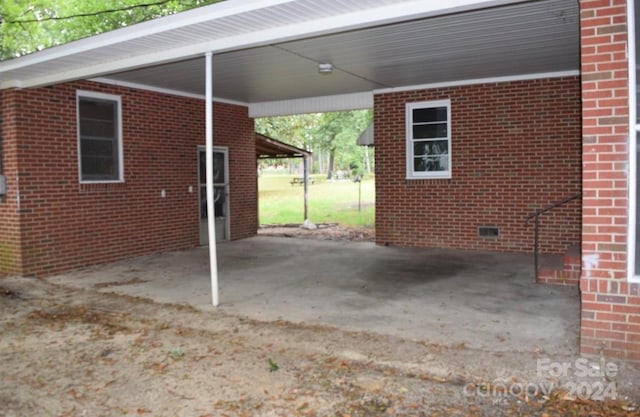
[
  {"x": 211, "y": 214},
  {"x": 632, "y": 274},
  {"x": 305, "y": 164}
]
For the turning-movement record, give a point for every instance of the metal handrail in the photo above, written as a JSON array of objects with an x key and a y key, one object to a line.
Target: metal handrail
[{"x": 536, "y": 218}]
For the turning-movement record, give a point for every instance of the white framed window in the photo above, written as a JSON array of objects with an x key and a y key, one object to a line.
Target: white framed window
[
  {"x": 428, "y": 139},
  {"x": 99, "y": 137}
]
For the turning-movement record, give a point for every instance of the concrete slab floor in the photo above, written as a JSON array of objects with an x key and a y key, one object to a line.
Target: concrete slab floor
[{"x": 484, "y": 300}]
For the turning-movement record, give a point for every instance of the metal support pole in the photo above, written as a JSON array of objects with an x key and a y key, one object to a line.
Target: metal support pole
[
  {"x": 535, "y": 247},
  {"x": 305, "y": 164},
  {"x": 211, "y": 214}
]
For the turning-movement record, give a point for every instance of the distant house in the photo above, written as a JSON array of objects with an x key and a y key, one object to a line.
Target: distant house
[{"x": 485, "y": 112}]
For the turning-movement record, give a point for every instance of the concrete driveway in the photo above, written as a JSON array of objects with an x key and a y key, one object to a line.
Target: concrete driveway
[{"x": 484, "y": 300}]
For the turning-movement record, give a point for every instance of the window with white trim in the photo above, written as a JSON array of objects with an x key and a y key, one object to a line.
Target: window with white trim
[
  {"x": 99, "y": 137},
  {"x": 429, "y": 139}
]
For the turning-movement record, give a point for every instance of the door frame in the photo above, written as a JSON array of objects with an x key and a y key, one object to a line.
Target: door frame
[{"x": 225, "y": 151}]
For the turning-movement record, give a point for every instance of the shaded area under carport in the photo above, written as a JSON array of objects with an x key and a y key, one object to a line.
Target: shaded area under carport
[{"x": 480, "y": 299}]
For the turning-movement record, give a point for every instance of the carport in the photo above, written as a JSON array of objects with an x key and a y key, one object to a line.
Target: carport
[
  {"x": 284, "y": 57},
  {"x": 280, "y": 57},
  {"x": 476, "y": 299},
  {"x": 485, "y": 104}
]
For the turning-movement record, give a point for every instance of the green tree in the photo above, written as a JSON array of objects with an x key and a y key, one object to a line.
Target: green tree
[
  {"x": 333, "y": 134},
  {"x": 294, "y": 130},
  {"x": 27, "y": 26},
  {"x": 337, "y": 133}
]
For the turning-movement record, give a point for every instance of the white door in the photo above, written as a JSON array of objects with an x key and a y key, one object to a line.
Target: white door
[{"x": 220, "y": 190}]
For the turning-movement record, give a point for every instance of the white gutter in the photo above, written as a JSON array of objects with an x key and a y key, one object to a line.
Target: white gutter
[
  {"x": 211, "y": 218},
  {"x": 140, "y": 30}
]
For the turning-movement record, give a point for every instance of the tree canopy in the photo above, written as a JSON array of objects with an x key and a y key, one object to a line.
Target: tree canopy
[
  {"x": 28, "y": 26},
  {"x": 331, "y": 136}
]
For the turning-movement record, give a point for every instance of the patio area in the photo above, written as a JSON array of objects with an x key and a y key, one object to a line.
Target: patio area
[{"x": 480, "y": 299}]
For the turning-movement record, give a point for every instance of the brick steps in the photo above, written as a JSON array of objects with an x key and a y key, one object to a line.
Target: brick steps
[{"x": 560, "y": 269}]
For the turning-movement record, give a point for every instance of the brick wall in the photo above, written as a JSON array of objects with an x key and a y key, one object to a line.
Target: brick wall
[
  {"x": 65, "y": 224},
  {"x": 10, "y": 254},
  {"x": 610, "y": 304},
  {"x": 515, "y": 148},
  {"x": 231, "y": 129}
]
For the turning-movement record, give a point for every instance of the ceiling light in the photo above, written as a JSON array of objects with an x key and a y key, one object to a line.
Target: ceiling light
[{"x": 325, "y": 68}]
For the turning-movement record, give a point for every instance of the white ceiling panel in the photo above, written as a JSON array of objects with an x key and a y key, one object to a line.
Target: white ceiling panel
[
  {"x": 223, "y": 25},
  {"x": 503, "y": 38},
  {"x": 533, "y": 37}
]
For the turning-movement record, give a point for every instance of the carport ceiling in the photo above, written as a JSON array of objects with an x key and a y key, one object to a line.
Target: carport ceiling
[
  {"x": 526, "y": 38},
  {"x": 266, "y": 52}
]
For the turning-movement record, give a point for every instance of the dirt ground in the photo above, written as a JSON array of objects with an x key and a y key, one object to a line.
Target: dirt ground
[
  {"x": 324, "y": 231},
  {"x": 69, "y": 352}
]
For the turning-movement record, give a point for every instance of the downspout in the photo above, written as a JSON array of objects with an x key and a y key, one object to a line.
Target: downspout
[
  {"x": 211, "y": 226},
  {"x": 633, "y": 146}
]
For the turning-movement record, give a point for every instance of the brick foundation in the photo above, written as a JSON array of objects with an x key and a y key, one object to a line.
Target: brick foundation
[{"x": 561, "y": 269}]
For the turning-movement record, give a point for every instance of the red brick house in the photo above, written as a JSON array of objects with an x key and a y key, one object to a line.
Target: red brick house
[
  {"x": 485, "y": 112},
  {"x": 60, "y": 213}
]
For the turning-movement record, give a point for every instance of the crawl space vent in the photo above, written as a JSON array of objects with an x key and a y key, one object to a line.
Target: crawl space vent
[{"x": 488, "y": 231}]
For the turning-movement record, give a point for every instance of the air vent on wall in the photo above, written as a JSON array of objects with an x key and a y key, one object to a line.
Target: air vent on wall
[{"x": 488, "y": 232}]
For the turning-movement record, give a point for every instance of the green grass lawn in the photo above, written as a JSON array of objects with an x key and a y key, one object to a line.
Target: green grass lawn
[{"x": 329, "y": 202}]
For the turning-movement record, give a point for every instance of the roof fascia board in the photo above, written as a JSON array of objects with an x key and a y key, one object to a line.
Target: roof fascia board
[
  {"x": 140, "y": 30},
  {"x": 460, "y": 83},
  {"x": 11, "y": 84},
  {"x": 283, "y": 145},
  {"x": 340, "y": 102},
  {"x": 364, "y": 18},
  {"x": 144, "y": 87}
]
